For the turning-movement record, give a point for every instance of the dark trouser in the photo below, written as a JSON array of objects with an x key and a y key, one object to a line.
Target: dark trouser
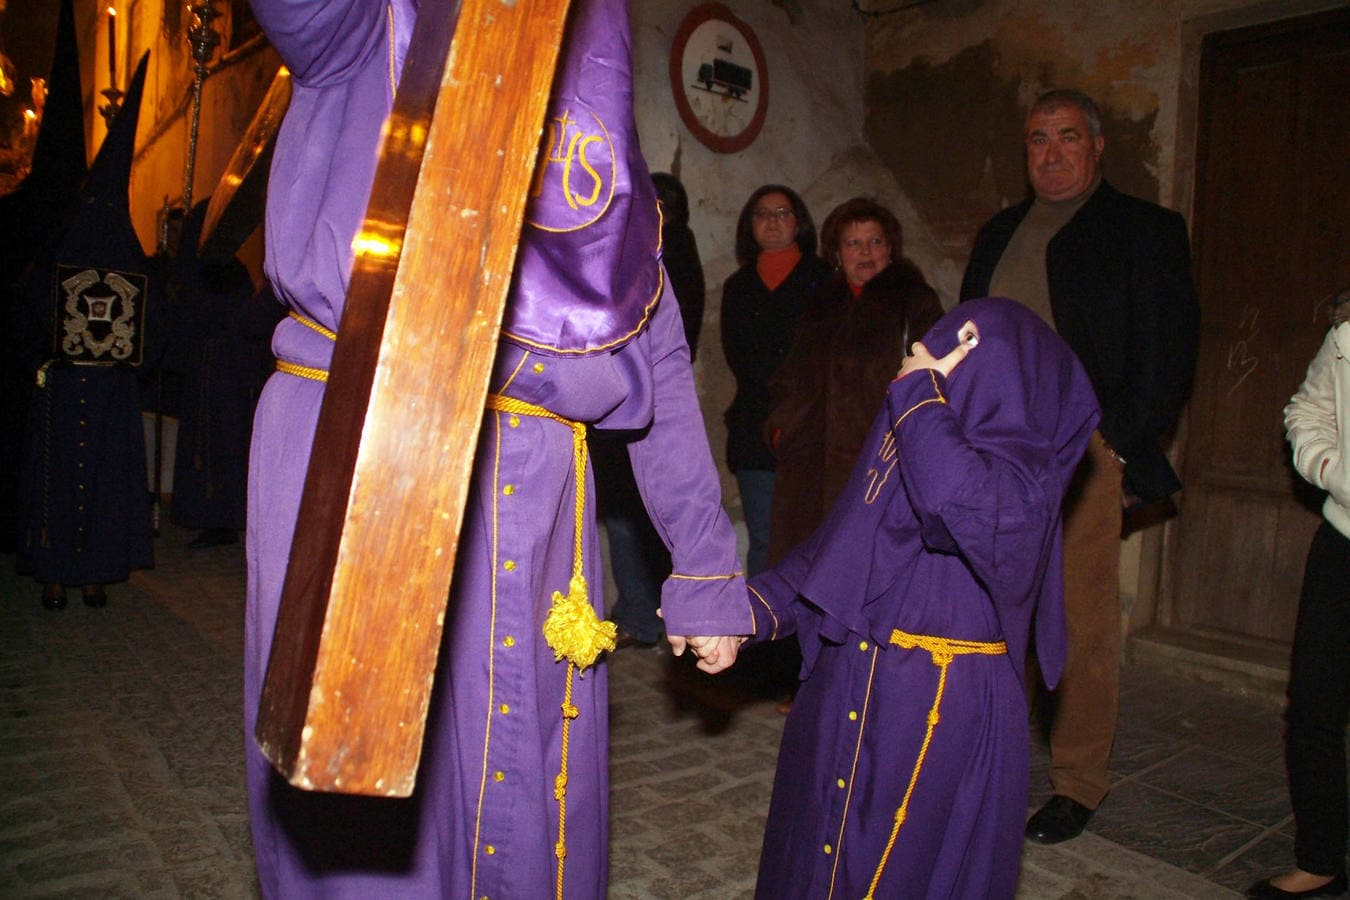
[
  {"x": 1319, "y": 699},
  {"x": 756, "y": 487},
  {"x": 1089, "y": 690}
]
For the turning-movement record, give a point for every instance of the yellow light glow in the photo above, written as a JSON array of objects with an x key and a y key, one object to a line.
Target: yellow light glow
[{"x": 369, "y": 244}]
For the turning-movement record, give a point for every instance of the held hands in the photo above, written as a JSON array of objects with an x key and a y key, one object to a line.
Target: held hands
[
  {"x": 922, "y": 359},
  {"x": 715, "y": 653}
]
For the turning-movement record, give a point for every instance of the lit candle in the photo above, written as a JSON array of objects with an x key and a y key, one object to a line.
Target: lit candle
[{"x": 112, "y": 47}]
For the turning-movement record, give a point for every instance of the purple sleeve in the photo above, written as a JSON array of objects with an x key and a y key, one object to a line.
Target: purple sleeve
[
  {"x": 773, "y": 593},
  {"x": 678, "y": 481},
  {"x": 321, "y": 41}
]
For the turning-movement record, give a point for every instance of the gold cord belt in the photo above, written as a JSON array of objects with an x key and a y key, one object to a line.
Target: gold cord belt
[
  {"x": 943, "y": 651},
  {"x": 310, "y": 372},
  {"x": 572, "y": 629}
]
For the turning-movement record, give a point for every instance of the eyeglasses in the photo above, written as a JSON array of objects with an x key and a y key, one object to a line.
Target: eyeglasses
[{"x": 780, "y": 214}]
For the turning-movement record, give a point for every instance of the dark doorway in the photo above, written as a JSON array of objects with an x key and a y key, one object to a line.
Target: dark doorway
[{"x": 1271, "y": 215}]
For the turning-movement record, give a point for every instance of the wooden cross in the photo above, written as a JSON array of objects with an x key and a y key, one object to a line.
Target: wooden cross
[{"x": 345, "y": 699}]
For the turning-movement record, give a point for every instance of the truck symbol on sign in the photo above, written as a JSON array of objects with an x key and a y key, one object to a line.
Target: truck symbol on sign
[{"x": 725, "y": 77}]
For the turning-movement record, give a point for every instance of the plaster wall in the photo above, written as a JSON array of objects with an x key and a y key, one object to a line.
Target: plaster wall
[{"x": 812, "y": 140}]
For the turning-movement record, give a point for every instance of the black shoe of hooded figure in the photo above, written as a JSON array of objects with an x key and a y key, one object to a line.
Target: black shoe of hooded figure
[
  {"x": 214, "y": 537},
  {"x": 1264, "y": 890},
  {"x": 53, "y": 596},
  {"x": 1060, "y": 819},
  {"x": 94, "y": 596}
]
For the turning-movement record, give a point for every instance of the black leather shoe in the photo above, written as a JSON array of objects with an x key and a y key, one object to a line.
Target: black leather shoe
[
  {"x": 93, "y": 596},
  {"x": 1264, "y": 890},
  {"x": 53, "y": 596},
  {"x": 1060, "y": 819}
]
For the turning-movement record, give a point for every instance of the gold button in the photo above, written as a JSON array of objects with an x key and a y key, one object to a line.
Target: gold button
[
  {"x": 509, "y": 565},
  {"x": 862, "y": 645},
  {"x": 504, "y": 708},
  {"x": 852, "y": 715},
  {"x": 513, "y": 421},
  {"x": 538, "y": 367},
  {"x": 840, "y": 782},
  {"x": 498, "y": 776},
  {"x": 828, "y": 849},
  {"x": 508, "y": 641},
  {"x": 489, "y": 849},
  {"x": 509, "y": 490}
]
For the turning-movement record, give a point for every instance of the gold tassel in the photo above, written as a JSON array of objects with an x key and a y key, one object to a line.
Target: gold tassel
[{"x": 573, "y": 629}]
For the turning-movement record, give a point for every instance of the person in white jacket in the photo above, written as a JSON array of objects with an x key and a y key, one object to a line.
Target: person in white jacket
[{"x": 1317, "y": 422}]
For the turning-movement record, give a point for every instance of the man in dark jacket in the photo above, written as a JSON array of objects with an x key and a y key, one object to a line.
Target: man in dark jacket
[{"x": 1112, "y": 274}]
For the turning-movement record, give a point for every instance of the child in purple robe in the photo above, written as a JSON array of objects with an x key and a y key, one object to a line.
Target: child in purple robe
[{"x": 903, "y": 768}]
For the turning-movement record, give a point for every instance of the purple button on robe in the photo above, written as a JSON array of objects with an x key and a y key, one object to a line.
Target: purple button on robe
[
  {"x": 483, "y": 819},
  {"x": 950, "y": 528}
]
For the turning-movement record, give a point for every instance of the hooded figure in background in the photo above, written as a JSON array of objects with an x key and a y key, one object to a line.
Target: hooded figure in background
[
  {"x": 220, "y": 328},
  {"x": 88, "y": 332},
  {"x": 30, "y": 217},
  {"x": 903, "y": 769}
]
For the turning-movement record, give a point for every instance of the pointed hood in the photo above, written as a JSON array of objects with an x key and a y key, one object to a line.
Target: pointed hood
[
  {"x": 92, "y": 282},
  {"x": 97, "y": 230},
  {"x": 59, "y": 156}
]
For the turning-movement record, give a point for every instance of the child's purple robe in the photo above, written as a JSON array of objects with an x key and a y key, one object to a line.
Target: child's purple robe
[{"x": 949, "y": 528}]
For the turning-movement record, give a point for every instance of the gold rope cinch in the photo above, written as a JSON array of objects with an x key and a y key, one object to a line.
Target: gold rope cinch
[
  {"x": 311, "y": 372},
  {"x": 572, "y": 629},
  {"x": 943, "y": 651}
]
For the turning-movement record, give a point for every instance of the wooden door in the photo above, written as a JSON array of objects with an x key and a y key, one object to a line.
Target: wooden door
[{"x": 1271, "y": 217}]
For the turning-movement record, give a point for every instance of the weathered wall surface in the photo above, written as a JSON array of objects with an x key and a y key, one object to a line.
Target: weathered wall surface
[
  {"x": 948, "y": 84},
  {"x": 812, "y": 140}
]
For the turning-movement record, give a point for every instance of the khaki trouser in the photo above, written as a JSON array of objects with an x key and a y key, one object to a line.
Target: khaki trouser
[{"x": 1089, "y": 690}]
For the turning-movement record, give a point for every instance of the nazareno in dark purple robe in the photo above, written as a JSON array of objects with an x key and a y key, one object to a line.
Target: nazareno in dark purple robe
[{"x": 903, "y": 769}]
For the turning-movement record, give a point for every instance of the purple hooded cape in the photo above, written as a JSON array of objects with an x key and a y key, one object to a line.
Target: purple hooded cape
[
  {"x": 949, "y": 528},
  {"x": 591, "y": 336}
]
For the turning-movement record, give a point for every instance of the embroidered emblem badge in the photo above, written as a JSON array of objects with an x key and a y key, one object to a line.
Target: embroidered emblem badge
[{"x": 100, "y": 314}]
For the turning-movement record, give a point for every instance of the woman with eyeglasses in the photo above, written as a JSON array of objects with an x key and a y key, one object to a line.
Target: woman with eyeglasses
[
  {"x": 855, "y": 333},
  {"x": 761, "y": 305}
]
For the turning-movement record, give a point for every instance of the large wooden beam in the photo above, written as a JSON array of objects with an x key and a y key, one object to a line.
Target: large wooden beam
[{"x": 348, "y": 683}]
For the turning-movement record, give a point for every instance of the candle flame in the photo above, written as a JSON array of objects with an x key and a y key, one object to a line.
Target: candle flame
[{"x": 112, "y": 11}]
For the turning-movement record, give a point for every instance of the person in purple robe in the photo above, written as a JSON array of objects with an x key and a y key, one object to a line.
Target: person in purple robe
[
  {"x": 512, "y": 797},
  {"x": 903, "y": 768}
]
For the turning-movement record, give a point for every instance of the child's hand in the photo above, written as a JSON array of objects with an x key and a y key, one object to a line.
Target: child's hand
[{"x": 922, "y": 359}]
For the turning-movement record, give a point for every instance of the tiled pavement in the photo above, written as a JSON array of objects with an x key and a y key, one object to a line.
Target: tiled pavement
[{"x": 121, "y": 772}]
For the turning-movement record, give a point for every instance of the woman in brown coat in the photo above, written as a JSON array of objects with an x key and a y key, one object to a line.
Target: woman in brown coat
[{"x": 855, "y": 333}]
